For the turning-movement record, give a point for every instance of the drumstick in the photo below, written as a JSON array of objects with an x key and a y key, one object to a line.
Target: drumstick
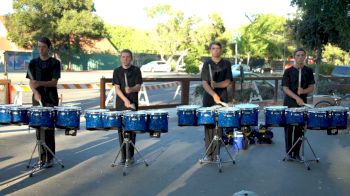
[
  {"x": 126, "y": 80},
  {"x": 299, "y": 81},
  {"x": 210, "y": 74},
  {"x": 41, "y": 104}
]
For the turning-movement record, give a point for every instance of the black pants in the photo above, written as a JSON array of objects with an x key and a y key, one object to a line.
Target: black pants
[
  {"x": 209, "y": 132},
  {"x": 132, "y": 137},
  {"x": 290, "y": 132},
  {"x": 48, "y": 136}
]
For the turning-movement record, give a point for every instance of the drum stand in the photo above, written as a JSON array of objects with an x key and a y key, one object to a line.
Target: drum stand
[
  {"x": 217, "y": 140},
  {"x": 127, "y": 142},
  {"x": 303, "y": 139},
  {"x": 39, "y": 165}
]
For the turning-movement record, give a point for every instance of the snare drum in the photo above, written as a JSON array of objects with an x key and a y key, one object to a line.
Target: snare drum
[
  {"x": 229, "y": 117},
  {"x": 206, "y": 116},
  {"x": 157, "y": 121},
  {"x": 41, "y": 117},
  {"x": 187, "y": 115},
  {"x": 249, "y": 114},
  {"x": 112, "y": 120},
  {"x": 19, "y": 115},
  {"x": 318, "y": 119},
  {"x": 5, "y": 114},
  {"x": 275, "y": 116},
  {"x": 135, "y": 121},
  {"x": 296, "y": 116},
  {"x": 68, "y": 117},
  {"x": 94, "y": 118},
  {"x": 339, "y": 117}
]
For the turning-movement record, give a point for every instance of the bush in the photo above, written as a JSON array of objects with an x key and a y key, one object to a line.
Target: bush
[
  {"x": 192, "y": 62},
  {"x": 325, "y": 69}
]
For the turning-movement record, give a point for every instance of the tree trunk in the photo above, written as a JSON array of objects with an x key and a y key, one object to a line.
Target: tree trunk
[{"x": 317, "y": 69}]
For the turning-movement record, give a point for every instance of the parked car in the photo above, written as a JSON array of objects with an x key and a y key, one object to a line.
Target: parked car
[
  {"x": 236, "y": 70},
  {"x": 156, "y": 66}
]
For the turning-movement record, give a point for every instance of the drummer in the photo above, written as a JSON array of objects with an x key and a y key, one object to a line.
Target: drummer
[
  {"x": 215, "y": 86},
  {"x": 43, "y": 73},
  {"x": 127, "y": 80},
  {"x": 296, "y": 96}
]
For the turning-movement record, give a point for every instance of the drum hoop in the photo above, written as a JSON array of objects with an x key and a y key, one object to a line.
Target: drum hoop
[{"x": 41, "y": 109}]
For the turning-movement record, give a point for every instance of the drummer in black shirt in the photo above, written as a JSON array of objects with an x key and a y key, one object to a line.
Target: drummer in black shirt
[
  {"x": 127, "y": 80},
  {"x": 43, "y": 73},
  {"x": 296, "y": 96},
  {"x": 215, "y": 90}
]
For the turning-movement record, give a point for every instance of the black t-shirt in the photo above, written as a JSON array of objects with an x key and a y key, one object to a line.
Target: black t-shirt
[
  {"x": 134, "y": 77},
  {"x": 220, "y": 71},
  {"x": 290, "y": 80},
  {"x": 47, "y": 70}
]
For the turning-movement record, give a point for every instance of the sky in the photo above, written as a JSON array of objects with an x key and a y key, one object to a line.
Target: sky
[{"x": 132, "y": 13}]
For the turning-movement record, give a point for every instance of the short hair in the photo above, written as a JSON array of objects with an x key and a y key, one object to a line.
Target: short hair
[
  {"x": 215, "y": 43},
  {"x": 298, "y": 50},
  {"x": 46, "y": 41},
  {"x": 126, "y": 51}
]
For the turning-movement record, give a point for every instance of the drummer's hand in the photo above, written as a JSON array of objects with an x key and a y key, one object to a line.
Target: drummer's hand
[
  {"x": 300, "y": 91},
  {"x": 37, "y": 96},
  {"x": 127, "y": 90},
  {"x": 234, "y": 101},
  {"x": 213, "y": 84},
  {"x": 300, "y": 101},
  {"x": 127, "y": 104},
  {"x": 34, "y": 83},
  {"x": 216, "y": 99}
]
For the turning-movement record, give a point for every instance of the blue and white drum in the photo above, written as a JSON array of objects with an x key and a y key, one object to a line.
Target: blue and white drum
[
  {"x": 318, "y": 119},
  {"x": 249, "y": 114},
  {"x": 112, "y": 119},
  {"x": 275, "y": 116},
  {"x": 68, "y": 117},
  {"x": 339, "y": 117},
  {"x": 187, "y": 115},
  {"x": 41, "y": 117},
  {"x": 19, "y": 115},
  {"x": 206, "y": 116},
  {"x": 296, "y": 116},
  {"x": 135, "y": 121},
  {"x": 5, "y": 114},
  {"x": 229, "y": 117},
  {"x": 157, "y": 121},
  {"x": 94, "y": 118}
]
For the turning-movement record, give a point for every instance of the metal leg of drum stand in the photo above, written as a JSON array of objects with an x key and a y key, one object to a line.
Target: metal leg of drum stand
[
  {"x": 218, "y": 140},
  {"x": 127, "y": 142},
  {"x": 39, "y": 165}
]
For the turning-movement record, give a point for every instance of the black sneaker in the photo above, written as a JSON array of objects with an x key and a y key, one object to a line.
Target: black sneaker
[
  {"x": 121, "y": 162},
  {"x": 131, "y": 161},
  {"x": 48, "y": 164}
]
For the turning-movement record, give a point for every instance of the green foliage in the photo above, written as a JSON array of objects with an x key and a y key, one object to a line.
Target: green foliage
[
  {"x": 192, "y": 62},
  {"x": 325, "y": 69},
  {"x": 335, "y": 55}
]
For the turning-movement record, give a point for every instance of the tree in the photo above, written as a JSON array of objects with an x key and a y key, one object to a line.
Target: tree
[
  {"x": 67, "y": 23},
  {"x": 321, "y": 22}
]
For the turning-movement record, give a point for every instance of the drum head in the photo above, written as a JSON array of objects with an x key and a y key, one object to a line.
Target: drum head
[
  {"x": 337, "y": 109},
  {"x": 188, "y": 107},
  {"x": 318, "y": 110},
  {"x": 206, "y": 109},
  {"x": 96, "y": 111},
  {"x": 41, "y": 109},
  {"x": 276, "y": 108},
  {"x": 113, "y": 113},
  {"x": 301, "y": 109},
  {"x": 156, "y": 112},
  {"x": 228, "y": 109},
  {"x": 67, "y": 108},
  {"x": 135, "y": 113},
  {"x": 247, "y": 106}
]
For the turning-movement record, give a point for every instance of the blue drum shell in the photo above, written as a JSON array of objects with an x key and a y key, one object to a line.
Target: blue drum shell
[
  {"x": 229, "y": 119},
  {"x": 205, "y": 117},
  {"x": 43, "y": 118},
  {"x": 112, "y": 121},
  {"x": 275, "y": 118},
  {"x": 295, "y": 117},
  {"x": 249, "y": 117},
  {"x": 69, "y": 119},
  {"x": 5, "y": 115},
  {"x": 187, "y": 117},
  {"x": 157, "y": 122},
  {"x": 318, "y": 120},
  {"x": 339, "y": 119},
  {"x": 93, "y": 121},
  {"x": 135, "y": 122}
]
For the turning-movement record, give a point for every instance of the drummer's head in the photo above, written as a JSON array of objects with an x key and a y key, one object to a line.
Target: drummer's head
[
  {"x": 299, "y": 56},
  {"x": 126, "y": 57},
  {"x": 215, "y": 49},
  {"x": 44, "y": 44}
]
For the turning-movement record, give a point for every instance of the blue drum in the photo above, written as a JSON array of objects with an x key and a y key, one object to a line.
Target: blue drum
[
  {"x": 206, "y": 116},
  {"x": 112, "y": 120},
  {"x": 68, "y": 117},
  {"x": 229, "y": 117},
  {"x": 296, "y": 116},
  {"x": 94, "y": 118},
  {"x": 187, "y": 115},
  {"x": 5, "y": 114},
  {"x": 19, "y": 115},
  {"x": 157, "y": 121},
  {"x": 339, "y": 117},
  {"x": 318, "y": 119},
  {"x": 249, "y": 114},
  {"x": 135, "y": 121},
  {"x": 275, "y": 116},
  {"x": 41, "y": 117}
]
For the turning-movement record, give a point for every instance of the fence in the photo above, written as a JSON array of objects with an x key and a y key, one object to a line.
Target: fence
[{"x": 5, "y": 91}]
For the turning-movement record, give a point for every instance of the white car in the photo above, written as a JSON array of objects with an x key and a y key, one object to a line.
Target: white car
[
  {"x": 236, "y": 70},
  {"x": 156, "y": 66}
]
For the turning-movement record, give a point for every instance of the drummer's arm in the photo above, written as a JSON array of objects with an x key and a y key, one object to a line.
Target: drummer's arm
[
  {"x": 135, "y": 89},
  {"x": 293, "y": 95},
  {"x": 120, "y": 94},
  {"x": 51, "y": 83},
  {"x": 222, "y": 84},
  {"x": 309, "y": 89},
  {"x": 210, "y": 91}
]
